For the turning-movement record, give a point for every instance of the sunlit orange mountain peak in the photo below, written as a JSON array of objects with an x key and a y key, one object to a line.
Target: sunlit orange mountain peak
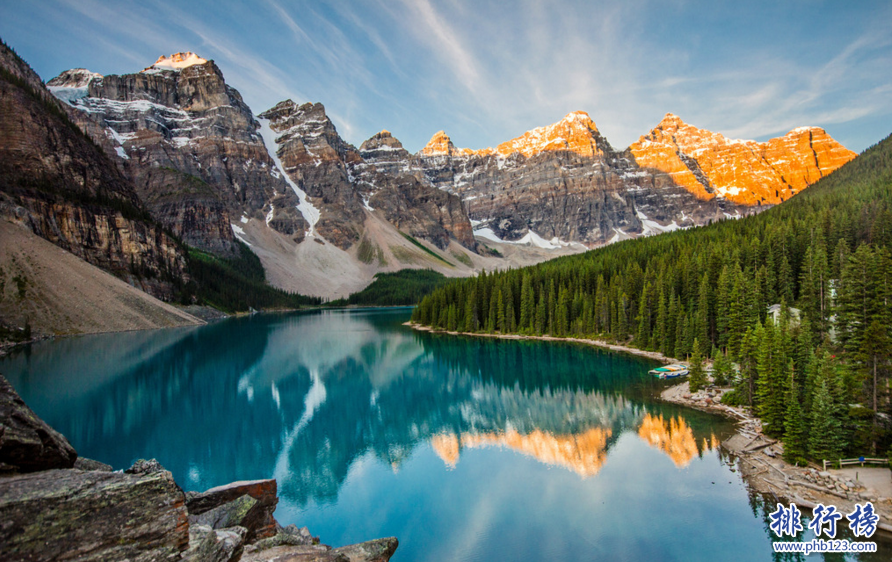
[
  {"x": 746, "y": 172},
  {"x": 576, "y": 132},
  {"x": 176, "y": 61}
]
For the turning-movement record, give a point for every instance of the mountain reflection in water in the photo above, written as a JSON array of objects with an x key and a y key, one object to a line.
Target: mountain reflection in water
[
  {"x": 302, "y": 397},
  {"x": 464, "y": 448}
]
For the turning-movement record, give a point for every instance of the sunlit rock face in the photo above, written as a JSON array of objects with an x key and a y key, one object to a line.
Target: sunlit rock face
[
  {"x": 565, "y": 182},
  {"x": 673, "y": 437},
  {"x": 576, "y": 132},
  {"x": 743, "y": 171},
  {"x": 176, "y": 61},
  {"x": 189, "y": 144}
]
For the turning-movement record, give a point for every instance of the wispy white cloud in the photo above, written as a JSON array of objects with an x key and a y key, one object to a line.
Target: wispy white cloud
[
  {"x": 486, "y": 72},
  {"x": 442, "y": 39}
]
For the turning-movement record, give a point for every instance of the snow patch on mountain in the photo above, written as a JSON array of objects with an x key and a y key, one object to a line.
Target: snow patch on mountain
[
  {"x": 651, "y": 227},
  {"x": 309, "y": 212},
  {"x": 528, "y": 239}
]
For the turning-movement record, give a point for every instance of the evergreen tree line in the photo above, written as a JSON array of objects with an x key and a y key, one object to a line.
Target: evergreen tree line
[
  {"x": 236, "y": 284},
  {"x": 818, "y": 378},
  {"x": 403, "y": 287}
]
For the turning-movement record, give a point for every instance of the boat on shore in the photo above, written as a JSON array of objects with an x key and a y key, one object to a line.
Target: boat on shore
[{"x": 669, "y": 371}]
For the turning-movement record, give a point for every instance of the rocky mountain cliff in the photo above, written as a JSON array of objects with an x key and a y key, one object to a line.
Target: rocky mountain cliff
[
  {"x": 208, "y": 170},
  {"x": 744, "y": 172},
  {"x": 190, "y": 145},
  {"x": 324, "y": 216},
  {"x": 555, "y": 185},
  {"x": 64, "y": 188},
  {"x": 346, "y": 186},
  {"x": 565, "y": 183}
]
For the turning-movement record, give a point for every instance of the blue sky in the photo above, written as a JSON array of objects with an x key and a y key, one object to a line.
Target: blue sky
[{"x": 488, "y": 71}]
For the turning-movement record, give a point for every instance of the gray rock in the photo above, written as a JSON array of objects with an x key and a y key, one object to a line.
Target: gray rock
[
  {"x": 312, "y": 553},
  {"x": 193, "y": 153},
  {"x": 289, "y": 536},
  {"x": 562, "y": 193},
  {"x": 258, "y": 519},
  {"x": 378, "y": 550},
  {"x": 215, "y": 545},
  {"x": 89, "y": 464},
  {"x": 229, "y": 514},
  {"x": 339, "y": 178},
  {"x": 27, "y": 442},
  {"x": 92, "y": 515},
  {"x": 143, "y": 466},
  {"x": 75, "y": 176}
]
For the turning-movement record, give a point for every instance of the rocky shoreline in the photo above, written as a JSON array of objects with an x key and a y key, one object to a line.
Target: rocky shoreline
[
  {"x": 57, "y": 506},
  {"x": 598, "y": 343},
  {"x": 760, "y": 462}
]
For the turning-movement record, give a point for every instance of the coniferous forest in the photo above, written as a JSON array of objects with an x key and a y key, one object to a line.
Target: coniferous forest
[
  {"x": 403, "y": 287},
  {"x": 816, "y": 370}
]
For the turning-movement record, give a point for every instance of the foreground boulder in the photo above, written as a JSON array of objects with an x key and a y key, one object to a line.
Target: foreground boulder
[
  {"x": 379, "y": 550},
  {"x": 212, "y": 545},
  {"x": 249, "y": 504},
  {"x": 92, "y": 515},
  {"x": 50, "y": 511},
  {"x": 27, "y": 443}
]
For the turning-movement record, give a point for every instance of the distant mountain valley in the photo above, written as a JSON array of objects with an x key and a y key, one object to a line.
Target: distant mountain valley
[{"x": 189, "y": 160}]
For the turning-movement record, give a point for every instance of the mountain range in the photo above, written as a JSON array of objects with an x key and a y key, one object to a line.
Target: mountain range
[{"x": 189, "y": 161}]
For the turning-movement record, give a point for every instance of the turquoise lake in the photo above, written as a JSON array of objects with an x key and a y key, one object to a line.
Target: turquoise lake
[{"x": 463, "y": 448}]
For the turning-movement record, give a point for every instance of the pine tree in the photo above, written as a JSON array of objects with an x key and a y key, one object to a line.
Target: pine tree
[
  {"x": 527, "y": 308},
  {"x": 660, "y": 331},
  {"x": 826, "y": 438},
  {"x": 680, "y": 348},
  {"x": 492, "y": 318},
  {"x": 470, "y": 322},
  {"x": 510, "y": 317},
  {"x": 772, "y": 385},
  {"x": 562, "y": 323},
  {"x": 622, "y": 319},
  {"x": 723, "y": 307},
  {"x": 697, "y": 376},
  {"x": 642, "y": 339},
  {"x": 702, "y": 328},
  {"x": 814, "y": 287},
  {"x": 541, "y": 315},
  {"x": 552, "y": 304},
  {"x": 500, "y": 313},
  {"x": 856, "y": 297},
  {"x": 721, "y": 367},
  {"x": 796, "y": 429},
  {"x": 873, "y": 358},
  {"x": 671, "y": 326}
]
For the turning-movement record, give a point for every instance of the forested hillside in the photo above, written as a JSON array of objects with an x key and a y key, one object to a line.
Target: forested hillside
[
  {"x": 403, "y": 287},
  {"x": 820, "y": 379}
]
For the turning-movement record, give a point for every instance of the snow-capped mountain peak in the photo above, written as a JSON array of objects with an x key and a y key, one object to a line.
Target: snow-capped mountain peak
[{"x": 176, "y": 61}]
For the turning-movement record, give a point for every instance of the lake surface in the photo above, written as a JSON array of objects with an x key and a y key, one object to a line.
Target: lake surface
[{"x": 464, "y": 448}]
